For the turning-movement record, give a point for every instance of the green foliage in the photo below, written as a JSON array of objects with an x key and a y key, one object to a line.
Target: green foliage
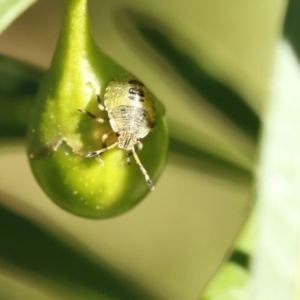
[
  {"x": 40, "y": 253},
  {"x": 11, "y": 9},
  {"x": 225, "y": 99},
  {"x": 276, "y": 255},
  {"x": 71, "y": 271},
  {"x": 18, "y": 84}
]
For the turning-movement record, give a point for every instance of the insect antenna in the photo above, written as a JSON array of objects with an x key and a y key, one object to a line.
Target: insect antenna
[{"x": 143, "y": 170}]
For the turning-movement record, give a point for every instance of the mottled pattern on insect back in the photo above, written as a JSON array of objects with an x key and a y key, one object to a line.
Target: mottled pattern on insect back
[
  {"x": 130, "y": 106},
  {"x": 131, "y": 113}
]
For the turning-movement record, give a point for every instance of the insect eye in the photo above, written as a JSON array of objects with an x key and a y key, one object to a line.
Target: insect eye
[{"x": 118, "y": 134}]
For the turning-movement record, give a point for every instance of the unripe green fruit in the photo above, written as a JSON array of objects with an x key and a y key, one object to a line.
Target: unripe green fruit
[{"x": 59, "y": 136}]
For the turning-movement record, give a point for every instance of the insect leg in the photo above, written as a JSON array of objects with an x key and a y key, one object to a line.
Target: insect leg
[
  {"x": 100, "y": 120},
  {"x": 47, "y": 149},
  {"x": 104, "y": 138},
  {"x": 143, "y": 170},
  {"x": 98, "y": 152},
  {"x": 139, "y": 146},
  {"x": 52, "y": 147},
  {"x": 100, "y": 105},
  {"x": 129, "y": 153}
]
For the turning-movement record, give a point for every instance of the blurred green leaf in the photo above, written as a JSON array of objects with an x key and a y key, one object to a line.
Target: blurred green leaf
[
  {"x": 206, "y": 161},
  {"x": 230, "y": 283},
  {"x": 232, "y": 278},
  {"x": 18, "y": 86},
  {"x": 292, "y": 25},
  {"x": 11, "y": 9},
  {"x": 216, "y": 93},
  {"x": 44, "y": 254},
  {"x": 276, "y": 255},
  {"x": 14, "y": 72},
  {"x": 240, "y": 257},
  {"x": 13, "y": 288}
]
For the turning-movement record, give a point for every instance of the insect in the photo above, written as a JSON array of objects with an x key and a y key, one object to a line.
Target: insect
[{"x": 131, "y": 114}]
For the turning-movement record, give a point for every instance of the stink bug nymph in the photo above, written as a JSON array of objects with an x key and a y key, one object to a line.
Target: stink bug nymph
[{"x": 131, "y": 114}]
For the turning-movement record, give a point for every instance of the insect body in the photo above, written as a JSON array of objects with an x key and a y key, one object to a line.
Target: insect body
[{"x": 131, "y": 114}]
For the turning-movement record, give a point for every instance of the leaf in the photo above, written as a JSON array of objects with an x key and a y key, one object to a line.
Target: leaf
[
  {"x": 292, "y": 25},
  {"x": 209, "y": 162},
  {"x": 11, "y": 9},
  {"x": 219, "y": 95},
  {"x": 46, "y": 255},
  {"x": 276, "y": 256},
  {"x": 18, "y": 87},
  {"x": 12, "y": 288},
  {"x": 231, "y": 281}
]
